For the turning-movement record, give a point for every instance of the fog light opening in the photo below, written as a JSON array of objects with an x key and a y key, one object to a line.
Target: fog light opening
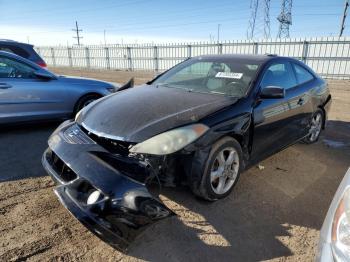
[{"x": 94, "y": 197}]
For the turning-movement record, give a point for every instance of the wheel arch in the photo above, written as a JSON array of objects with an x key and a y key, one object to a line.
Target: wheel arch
[
  {"x": 84, "y": 96},
  {"x": 324, "y": 116},
  {"x": 238, "y": 128}
]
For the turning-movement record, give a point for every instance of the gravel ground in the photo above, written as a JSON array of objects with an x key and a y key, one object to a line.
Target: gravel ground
[{"x": 273, "y": 214}]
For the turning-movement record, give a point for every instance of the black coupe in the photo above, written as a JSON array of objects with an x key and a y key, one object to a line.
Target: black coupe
[{"x": 200, "y": 124}]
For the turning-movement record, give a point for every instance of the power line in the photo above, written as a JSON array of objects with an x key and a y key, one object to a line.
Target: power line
[
  {"x": 77, "y": 31},
  {"x": 342, "y": 25},
  {"x": 68, "y": 9},
  {"x": 285, "y": 19},
  {"x": 259, "y": 22},
  {"x": 185, "y": 13},
  {"x": 52, "y": 10},
  {"x": 129, "y": 26},
  {"x": 146, "y": 26}
]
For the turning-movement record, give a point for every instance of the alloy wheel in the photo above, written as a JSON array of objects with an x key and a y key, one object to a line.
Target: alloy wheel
[
  {"x": 224, "y": 170},
  {"x": 315, "y": 128}
]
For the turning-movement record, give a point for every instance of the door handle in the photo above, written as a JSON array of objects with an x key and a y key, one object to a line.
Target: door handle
[
  {"x": 301, "y": 101},
  {"x": 4, "y": 86}
]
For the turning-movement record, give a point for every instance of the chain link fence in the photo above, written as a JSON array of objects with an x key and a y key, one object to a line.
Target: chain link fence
[{"x": 328, "y": 56}]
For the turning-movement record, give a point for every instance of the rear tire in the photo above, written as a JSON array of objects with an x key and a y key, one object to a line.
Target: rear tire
[
  {"x": 222, "y": 169},
  {"x": 84, "y": 101},
  {"x": 315, "y": 127}
]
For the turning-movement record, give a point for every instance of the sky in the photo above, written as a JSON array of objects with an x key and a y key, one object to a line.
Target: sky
[{"x": 44, "y": 22}]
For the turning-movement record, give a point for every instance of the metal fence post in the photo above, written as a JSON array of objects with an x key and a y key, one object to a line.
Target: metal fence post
[
  {"x": 129, "y": 58},
  {"x": 70, "y": 56},
  {"x": 108, "y": 62},
  {"x": 305, "y": 51},
  {"x": 87, "y": 57},
  {"x": 255, "y": 48},
  {"x": 219, "y": 48},
  {"x": 189, "y": 51},
  {"x": 156, "y": 58},
  {"x": 53, "y": 56}
]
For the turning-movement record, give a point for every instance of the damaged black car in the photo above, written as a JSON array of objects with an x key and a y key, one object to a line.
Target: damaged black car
[{"x": 199, "y": 124}]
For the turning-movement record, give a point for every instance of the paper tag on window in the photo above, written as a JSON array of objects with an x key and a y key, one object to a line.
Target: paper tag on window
[{"x": 229, "y": 75}]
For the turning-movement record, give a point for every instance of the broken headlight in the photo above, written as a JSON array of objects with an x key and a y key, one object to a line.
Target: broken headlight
[
  {"x": 170, "y": 141},
  {"x": 341, "y": 228}
]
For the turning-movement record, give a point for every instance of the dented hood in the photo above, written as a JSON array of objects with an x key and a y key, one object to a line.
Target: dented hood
[{"x": 139, "y": 113}]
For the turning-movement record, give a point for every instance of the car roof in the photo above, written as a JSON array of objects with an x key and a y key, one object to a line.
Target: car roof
[{"x": 13, "y": 43}]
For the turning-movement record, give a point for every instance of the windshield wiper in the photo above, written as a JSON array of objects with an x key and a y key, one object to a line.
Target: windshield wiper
[
  {"x": 162, "y": 84},
  {"x": 173, "y": 86},
  {"x": 215, "y": 92}
]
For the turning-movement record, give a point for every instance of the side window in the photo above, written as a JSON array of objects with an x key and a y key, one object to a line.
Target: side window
[
  {"x": 13, "y": 69},
  {"x": 303, "y": 75},
  {"x": 279, "y": 74}
]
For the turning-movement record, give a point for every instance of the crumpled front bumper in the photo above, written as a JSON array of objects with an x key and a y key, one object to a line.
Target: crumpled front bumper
[{"x": 124, "y": 207}]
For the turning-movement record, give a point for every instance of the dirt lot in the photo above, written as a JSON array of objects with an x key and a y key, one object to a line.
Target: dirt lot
[{"x": 274, "y": 214}]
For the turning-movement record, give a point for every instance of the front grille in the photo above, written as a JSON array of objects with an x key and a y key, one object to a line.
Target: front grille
[
  {"x": 74, "y": 135},
  {"x": 62, "y": 170},
  {"x": 113, "y": 146}
]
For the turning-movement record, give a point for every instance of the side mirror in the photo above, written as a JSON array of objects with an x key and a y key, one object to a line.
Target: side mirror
[
  {"x": 272, "y": 92},
  {"x": 44, "y": 75}
]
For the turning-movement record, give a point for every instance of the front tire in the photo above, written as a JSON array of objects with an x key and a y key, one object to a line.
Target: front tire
[
  {"x": 315, "y": 127},
  {"x": 222, "y": 169}
]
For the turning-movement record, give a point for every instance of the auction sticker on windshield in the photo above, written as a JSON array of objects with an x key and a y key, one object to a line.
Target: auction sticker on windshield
[{"x": 229, "y": 75}]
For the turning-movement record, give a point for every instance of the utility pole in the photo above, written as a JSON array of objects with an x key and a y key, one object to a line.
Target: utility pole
[
  {"x": 219, "y": 25},
  {"x": 285, "y": 19},
  {"x": 342, "y": 25},
  {"x": 77, "y": 30},
  {"x": 259, "y": 22}
]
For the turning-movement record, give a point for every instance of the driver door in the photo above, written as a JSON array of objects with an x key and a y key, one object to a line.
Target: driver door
[
  {"x": 23, "y": 96},
  {"x": 275, "y": 119}
]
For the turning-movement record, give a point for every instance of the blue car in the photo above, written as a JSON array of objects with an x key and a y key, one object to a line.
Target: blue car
[
  {"x": 22, "y": 49},
  {"x": 29, "y": 92}
]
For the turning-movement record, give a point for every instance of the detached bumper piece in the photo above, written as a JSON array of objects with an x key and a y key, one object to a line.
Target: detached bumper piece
[{"x": 112, "y": 205}]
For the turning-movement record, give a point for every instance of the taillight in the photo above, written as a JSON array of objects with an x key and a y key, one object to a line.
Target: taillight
[{"x": 42, "y": 64}]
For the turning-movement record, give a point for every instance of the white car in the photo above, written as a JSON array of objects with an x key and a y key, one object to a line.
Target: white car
[{"x": 334, "y": 242}]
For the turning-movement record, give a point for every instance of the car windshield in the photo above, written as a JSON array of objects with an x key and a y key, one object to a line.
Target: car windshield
[{"x": 230, "y": 77}]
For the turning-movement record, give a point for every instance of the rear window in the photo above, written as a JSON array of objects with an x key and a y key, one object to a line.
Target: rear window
[
  {"x": 15, "y": 50},
  {"x": 303, "y": 75},
  {"x": 6, "y": 49}
]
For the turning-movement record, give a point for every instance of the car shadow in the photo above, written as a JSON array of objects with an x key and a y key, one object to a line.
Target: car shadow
[
  {"x": 21, "y": 148},
  {"x": 272, "y": 212}
]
